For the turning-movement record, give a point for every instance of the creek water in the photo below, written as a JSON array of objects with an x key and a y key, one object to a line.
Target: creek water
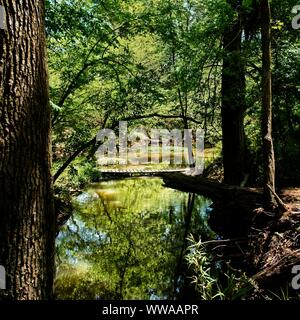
[{"x": 128, "y": 239}]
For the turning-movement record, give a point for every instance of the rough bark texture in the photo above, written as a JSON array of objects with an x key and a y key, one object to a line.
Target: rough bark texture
[
  {"x": 233, "y": 104},
  {"x": 268, "y": 150},
  {"x": 27, "y": 226}
]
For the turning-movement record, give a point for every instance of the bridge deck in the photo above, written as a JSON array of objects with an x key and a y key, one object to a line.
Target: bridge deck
[{"x": 139, "y": 171}]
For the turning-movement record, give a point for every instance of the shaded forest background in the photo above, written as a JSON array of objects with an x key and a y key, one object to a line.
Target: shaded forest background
[
  {"x": 154, "y": 63},
  {"x": 160, "y": 63}
]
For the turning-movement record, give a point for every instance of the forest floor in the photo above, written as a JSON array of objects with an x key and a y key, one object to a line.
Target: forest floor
[
  {"x": 275, "y": 246},
  {"x": 291, "y": 197}
]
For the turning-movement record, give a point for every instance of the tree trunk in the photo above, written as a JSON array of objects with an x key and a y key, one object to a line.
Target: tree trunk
[
  {"x": 27, "y": 224},
  {"x": 268, "y": 150},
  {"x": 233, "y": 104}
]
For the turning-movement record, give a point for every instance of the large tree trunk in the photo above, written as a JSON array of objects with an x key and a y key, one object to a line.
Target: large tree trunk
[
  {"x": 27, "y": 224},
  {"x": 268, "y": 150},
  {"x": 233, "y": 104}
]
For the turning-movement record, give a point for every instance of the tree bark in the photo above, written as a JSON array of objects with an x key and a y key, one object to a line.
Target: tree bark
[
  {"x": 233, "y": 104},
  {"x": 27, "y": 222},
  {"x": 268, "y": 149}
]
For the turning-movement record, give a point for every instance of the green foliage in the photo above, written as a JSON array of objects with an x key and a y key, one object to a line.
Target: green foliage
[
  {"x": 129, "y": 239},
  {"x": 126, "y": 59},
  {"x": 81, "y": 283},
  {"x": 207, "y": 278},
  {"x": 111, "y": 60},
  {"x": 283, "y": 294},
  {"x": 247, "y": 4}
]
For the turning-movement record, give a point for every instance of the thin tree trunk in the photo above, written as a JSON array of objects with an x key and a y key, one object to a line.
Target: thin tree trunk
[
  {"x": 73, "y": 157},
  {"x": 27, "y": 224},
  {"x": 268, "y": 150},
  {"x": 233, "y": 104}
]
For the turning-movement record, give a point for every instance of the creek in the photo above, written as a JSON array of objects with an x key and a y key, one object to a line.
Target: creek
[{"x": 127, "y": 239}]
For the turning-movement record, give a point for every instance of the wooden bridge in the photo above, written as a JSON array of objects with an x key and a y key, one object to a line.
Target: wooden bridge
[{"x": 139, "y": 172}]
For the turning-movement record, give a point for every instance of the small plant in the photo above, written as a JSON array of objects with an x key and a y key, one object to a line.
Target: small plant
[
  {"x": 284, "y": 294},
  {"x": 208, "y": 273}
]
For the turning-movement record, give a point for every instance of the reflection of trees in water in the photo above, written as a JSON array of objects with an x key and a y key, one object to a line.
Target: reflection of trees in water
[
  {"x": 187, "y": 230},
  {"x": 135, "y": 245}
]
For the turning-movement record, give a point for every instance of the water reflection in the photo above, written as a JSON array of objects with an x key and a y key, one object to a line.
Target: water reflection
[{"x": 127, "y": 240}]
